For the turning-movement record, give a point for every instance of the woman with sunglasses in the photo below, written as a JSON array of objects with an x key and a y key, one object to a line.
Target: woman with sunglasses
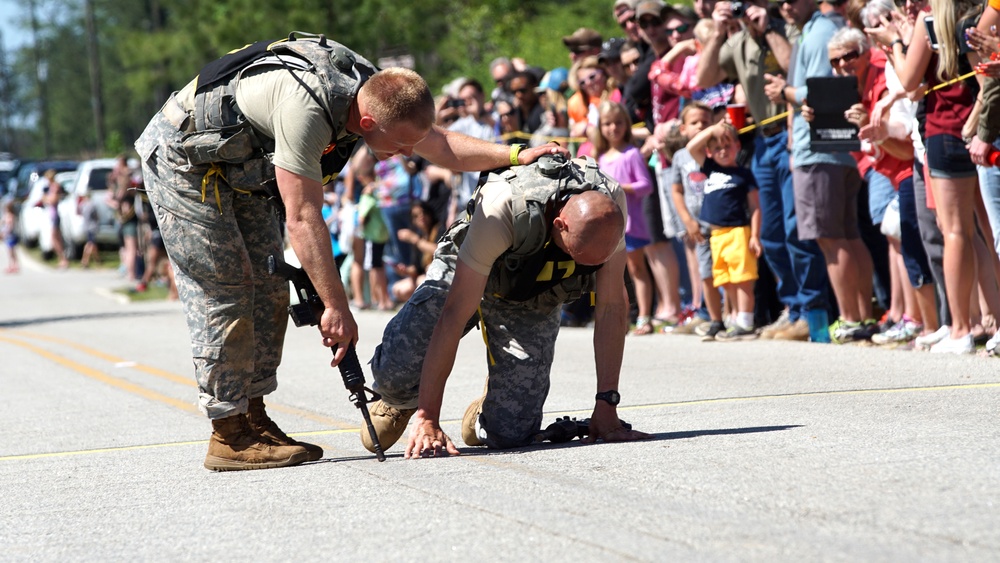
[{"x": 593, "y": 87}]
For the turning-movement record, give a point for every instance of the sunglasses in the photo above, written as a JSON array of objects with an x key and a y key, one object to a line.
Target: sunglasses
[
  {"x": 785, "y": 2},
  {"x": 524, "y": 90},
  {"x": 593, "y": 77},
  {"x": 682, "y": 28},
  {"x": 650, "y": 22},
  {"x": 845, "y": 58}
]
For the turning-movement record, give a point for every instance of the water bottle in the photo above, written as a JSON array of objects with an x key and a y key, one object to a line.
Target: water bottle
[{"x": 819, "y": 325}]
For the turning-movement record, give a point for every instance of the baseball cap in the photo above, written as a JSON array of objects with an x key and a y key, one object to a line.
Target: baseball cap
[
  {"x": 554, "y": 79},
  {"x": 630, "y": 4},
  {"x": 583, "y": 37},
  {"x": 650, "y": 8}
]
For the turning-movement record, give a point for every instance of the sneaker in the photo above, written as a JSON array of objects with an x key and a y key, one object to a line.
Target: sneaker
[
  {"x": 991, "y": 344},
  {"x": 886, "y": 322},
  {"x": 713, "y": 329},
  {"x": 690, "y": 326},
  {"x": 845, "y": 331},
  {"x": 389, "y": 422},
  {"x": 704, "y": 328},
  {"x": 928, "y": 340},
  {"x": 777, "y": 326},
  {"x": 799, "y": 330},
  {"x": 960, "y": 345},
  {"x": 469, "y": 422},
  {"x": 903, "y": 331},
  {"x": 736, "y": 333}
]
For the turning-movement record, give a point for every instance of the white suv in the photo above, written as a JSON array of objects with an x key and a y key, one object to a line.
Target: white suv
[{"x": 91, "y": 180}]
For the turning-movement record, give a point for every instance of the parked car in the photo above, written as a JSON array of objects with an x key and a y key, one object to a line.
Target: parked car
[
  {"x": 29, "y": 173},
  {"x": 33, "y": 220},
  {"x": 91, "y": 180}
]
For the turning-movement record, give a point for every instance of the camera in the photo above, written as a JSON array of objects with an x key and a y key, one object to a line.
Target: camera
[
  {"x": 739, "y": 9},
  {"x": 453, "y": 103}
]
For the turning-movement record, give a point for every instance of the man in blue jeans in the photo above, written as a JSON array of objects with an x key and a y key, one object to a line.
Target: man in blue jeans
[{"x": 755, "y": 51}]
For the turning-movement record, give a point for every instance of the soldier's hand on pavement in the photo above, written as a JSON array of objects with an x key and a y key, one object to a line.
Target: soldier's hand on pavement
[
  {"x": 527, "y": 156},
  {"x": 338, "y": 329},
  {"x": 427, "y": 439},
  {"x": 605, "y": 425}
]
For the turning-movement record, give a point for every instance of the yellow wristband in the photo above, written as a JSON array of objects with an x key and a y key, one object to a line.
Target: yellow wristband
[{"x": 514, "y": 151}]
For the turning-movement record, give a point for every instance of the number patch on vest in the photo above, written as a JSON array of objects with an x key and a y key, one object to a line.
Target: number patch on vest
[{"x": 556, "y": 270}]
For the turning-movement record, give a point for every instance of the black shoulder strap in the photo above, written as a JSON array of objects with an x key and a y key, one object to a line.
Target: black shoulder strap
[{"x": 231, "y": 63}]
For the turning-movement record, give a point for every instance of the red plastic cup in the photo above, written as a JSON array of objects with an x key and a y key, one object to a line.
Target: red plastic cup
[
  {"x": 737, "y": 115},
  {"x": 993, "y": 159}
]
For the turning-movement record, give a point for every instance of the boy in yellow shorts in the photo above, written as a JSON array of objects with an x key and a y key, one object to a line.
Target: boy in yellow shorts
[{"x": 731, "y": 206}]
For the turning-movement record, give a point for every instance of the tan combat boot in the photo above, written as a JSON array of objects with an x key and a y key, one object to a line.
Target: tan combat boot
[
  {"x": 235, "y": 446},
  {"x": 389, "y": 422},
  {"x": 263, "y": 425},
  {"x": 469, "y": 435}
]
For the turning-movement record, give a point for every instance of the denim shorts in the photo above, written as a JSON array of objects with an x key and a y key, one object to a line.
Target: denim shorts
[
  {"x": 918, "y": 268},
  {"x": 880, "y": 193},
  {"x": 635, "y": 243},
  {"x": 947, "y": 157}
]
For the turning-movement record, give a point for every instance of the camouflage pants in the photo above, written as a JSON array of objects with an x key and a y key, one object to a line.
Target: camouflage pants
[
  {"x": 520, "y": 338},
  {"x": 236, "y": 312}
]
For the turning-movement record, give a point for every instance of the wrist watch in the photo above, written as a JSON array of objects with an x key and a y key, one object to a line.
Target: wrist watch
[{"x": 610, "y": 397}]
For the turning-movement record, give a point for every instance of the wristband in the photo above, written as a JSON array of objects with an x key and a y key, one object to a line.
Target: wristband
[{"x": 514, "y": 151}]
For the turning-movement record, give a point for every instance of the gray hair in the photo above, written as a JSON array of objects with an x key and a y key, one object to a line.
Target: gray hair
[
  {"x": 874, "y": 10},
  {"x": 500, "y": 61},
  {"x": 849, "y": 37}
]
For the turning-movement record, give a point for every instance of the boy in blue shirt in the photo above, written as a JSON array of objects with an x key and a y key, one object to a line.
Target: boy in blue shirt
[{"x": 731, "y": 206}]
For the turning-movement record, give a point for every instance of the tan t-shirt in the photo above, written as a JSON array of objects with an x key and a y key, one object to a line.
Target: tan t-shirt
[
  {"x": 280, "y": 108},
  {"x": 491, "y": 230}
]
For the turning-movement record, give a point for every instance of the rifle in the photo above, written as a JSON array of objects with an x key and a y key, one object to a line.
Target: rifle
[
  {"x": 565, "y": 429},
  {"x": 304, "y": 314}
]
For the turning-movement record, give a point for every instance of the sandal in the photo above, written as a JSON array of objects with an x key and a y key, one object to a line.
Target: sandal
[{"x": 643, "y": 327}]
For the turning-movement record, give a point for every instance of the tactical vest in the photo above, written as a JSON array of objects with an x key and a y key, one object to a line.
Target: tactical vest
[
  {"x": 534, "y": 264},
  {"x": 224, "y": 137}
]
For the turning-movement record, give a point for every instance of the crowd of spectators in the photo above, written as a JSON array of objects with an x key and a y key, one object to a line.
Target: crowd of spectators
[
  {"x": 746, "y": 229},
  {"x": 895, "y": 243}
]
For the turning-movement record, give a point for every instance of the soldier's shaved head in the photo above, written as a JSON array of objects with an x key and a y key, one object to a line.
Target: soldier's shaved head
[{"x": 589, "y": 227}]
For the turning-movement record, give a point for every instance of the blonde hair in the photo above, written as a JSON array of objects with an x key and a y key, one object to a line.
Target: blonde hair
[
  {"x": 593, "y": 62},
  {"x": 946, "y": 13},
  {"x": 396, "y": 95},
  {"x": 703, "y": 30},
  {"x": 609, "y": 109},
  {"x": 694, "y": 106}
]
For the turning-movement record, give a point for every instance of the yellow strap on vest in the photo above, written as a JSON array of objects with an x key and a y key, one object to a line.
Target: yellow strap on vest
[{"x": 486, "y": 339}]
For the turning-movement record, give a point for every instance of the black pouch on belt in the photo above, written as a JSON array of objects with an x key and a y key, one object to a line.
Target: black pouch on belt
[{"x": 228, "y": 144}]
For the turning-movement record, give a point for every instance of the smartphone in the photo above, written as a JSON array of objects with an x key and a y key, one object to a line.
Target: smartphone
[{"x": 931, "y": 36}]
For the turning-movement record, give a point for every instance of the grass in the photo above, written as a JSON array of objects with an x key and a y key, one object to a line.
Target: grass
[{"x": 109, "y": 259}]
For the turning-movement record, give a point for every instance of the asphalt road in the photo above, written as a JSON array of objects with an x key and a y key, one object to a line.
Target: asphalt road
[{"x": 762, "y": 451}]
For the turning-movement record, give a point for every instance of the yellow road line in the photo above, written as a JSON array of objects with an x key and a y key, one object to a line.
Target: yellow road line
[
  {"x": 103, "y": 378},
  {"x": 627, "y": 408},
  {"x": 169, "y": 376}
]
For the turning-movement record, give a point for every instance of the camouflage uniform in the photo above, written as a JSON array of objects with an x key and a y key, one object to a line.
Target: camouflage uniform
[
  {"x": 520, "y": 339},
  {"x": 211, "y": 183},
  {"x": 236, "y": 312}
]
